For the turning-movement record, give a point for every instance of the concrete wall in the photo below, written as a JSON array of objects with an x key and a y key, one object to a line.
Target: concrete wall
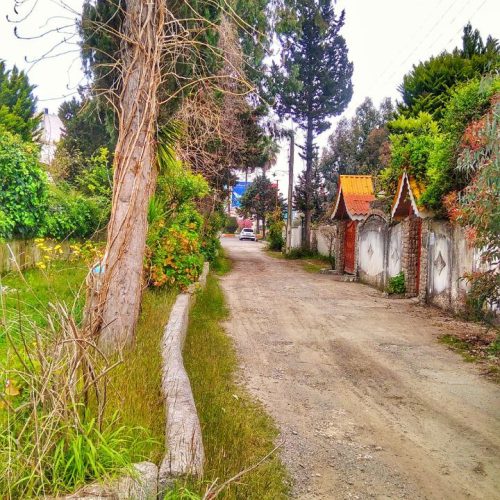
[
  {"x": 320, "y": 243},
  {"x": 395, "y": 250},
  {"x": 296, "y": 237},
  {"x": 372, "y": 245},
  {"x": 448, "y": 257}
]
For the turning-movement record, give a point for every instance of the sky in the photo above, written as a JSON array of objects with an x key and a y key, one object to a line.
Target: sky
[{"x": 384, "y": 37}]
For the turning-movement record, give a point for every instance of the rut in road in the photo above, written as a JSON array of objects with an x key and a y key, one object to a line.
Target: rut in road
[{"x": 367, "y": 401}]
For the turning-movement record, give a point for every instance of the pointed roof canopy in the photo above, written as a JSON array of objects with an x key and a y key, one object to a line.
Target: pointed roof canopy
[
  {"x": 354, "y": 197},
  {"x": 405, "y": 201}
]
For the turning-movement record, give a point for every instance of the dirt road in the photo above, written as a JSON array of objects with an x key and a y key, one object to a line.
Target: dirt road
[{"x": 368, "y": 403}]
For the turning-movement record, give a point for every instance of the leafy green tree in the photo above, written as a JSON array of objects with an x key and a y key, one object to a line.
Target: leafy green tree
[
  {"x": 86, "y": 126},
  {"x": 314, "y": 80},
  {"x": 426, "y": 88},
  {"x": 355, "y": 145},
  {"x": 17, "y": 103},
  {"x": 261, "y": 198},
  {"x": 23, "y": 187},
  {"x": 87, "y": 131}
]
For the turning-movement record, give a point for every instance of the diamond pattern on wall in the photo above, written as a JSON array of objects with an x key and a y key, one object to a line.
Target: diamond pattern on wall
[
  {"x": 440, "y": 263},
  {"x": 370, "y": 251},
  {"x": 395, "y": 255}
]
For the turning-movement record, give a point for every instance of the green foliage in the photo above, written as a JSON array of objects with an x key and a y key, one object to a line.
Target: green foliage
[
  {"x": 314, "y": 81},
  {"x": 356, "y": 145},
  {"x": 300, "y": 253},
  {"x": 427, "y": 87},
  {"x": 71, "y": 214},
  {"x": 397, "y": 284},
  {"x": 134, "y": 386},
  {"x": 87, "y": 129},
  {"x": 174, "y": 255},
  {"x": 17, "y": 103},
  {"x": 23, "y": 187},
  {"x": 231, "y": 225},
  {"x": 260, "y": 198},
  {"x": 175, "y": 244},
  {"x": 96, "y": 180},
  {"x": 76, "y": 455},
  {"x": 210, "y": 234},
  {"x": 316, "y": 202},
  {"x": 275, "y": 235},
  {"x": 468, "y": 102},
  {"x": 429, "y": 150},
  {"x": 315, "y": 64}
]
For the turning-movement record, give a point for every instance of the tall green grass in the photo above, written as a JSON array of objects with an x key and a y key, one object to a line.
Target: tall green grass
[
  {"x": 53, "y": 438},
  {"x": 237, "y": 432},
  {"x": 134, "y": 391}
]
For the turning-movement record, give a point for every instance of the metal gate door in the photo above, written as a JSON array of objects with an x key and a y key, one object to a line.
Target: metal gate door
[{"x": 349, "y": 247}]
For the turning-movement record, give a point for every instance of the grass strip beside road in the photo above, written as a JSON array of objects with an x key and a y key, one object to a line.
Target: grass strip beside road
[
  {"x": 237, "y": 432},
  {"x": 134, "y": 390}
]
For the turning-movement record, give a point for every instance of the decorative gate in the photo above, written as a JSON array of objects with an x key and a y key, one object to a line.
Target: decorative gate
[{"x": 349, "y": 247}]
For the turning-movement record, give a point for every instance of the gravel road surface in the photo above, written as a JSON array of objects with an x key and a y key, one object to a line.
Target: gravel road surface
[{"x": 369, "y": 404}]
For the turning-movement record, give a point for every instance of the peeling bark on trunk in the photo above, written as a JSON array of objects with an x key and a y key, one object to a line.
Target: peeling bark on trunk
[{"x": 114, "y": 309}]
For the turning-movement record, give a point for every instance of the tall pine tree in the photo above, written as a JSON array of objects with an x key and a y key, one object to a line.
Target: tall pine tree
[
  {"x": 17, "y": 103},
  {"x": 314, "y": 80}
]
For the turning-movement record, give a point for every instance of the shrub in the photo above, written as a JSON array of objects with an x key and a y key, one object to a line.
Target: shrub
[
  {"x": 71, "y": 214},
  {"x": 96, "y": 179},
  {"x": 397, "y": 284},
  {"x": 210, "y": 241},
  {"x": 275, "y": 235},
  {"x": 174, "y": 255},
  {"x": 300, "y": 253},
  {"x": 23, "y": 187},
  {"x": 231, "y": 225}
]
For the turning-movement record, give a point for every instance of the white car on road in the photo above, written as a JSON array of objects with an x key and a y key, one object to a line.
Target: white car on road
[{"x": 247, "y": 234}]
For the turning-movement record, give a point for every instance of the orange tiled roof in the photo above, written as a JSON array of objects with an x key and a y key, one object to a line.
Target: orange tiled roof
[
  {"x": 356, "y": 193},
  {"x": 416, "y": 190}
]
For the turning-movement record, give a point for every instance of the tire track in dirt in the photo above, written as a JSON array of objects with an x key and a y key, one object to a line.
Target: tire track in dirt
[{"x": 369, "y": 405}]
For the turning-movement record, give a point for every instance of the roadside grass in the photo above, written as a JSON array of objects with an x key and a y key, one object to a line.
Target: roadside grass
[
  {"x": 311, "y": 262},
  {"x": 29, "y": 295},
  {"x": 477, "y": 349},
  {"x": 134, "y": 390},
  {"x": 69, "y": 455},
  {"x": 133, "y": 393},
  {"x": 237, "y": 432}
]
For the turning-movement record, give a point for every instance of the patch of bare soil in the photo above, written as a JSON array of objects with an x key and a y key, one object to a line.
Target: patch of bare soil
[{"x": 369, "y": 403}]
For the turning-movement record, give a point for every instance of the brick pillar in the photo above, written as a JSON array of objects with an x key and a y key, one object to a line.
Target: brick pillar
[
  {"x": 410, "y": 253},
  {"x": 424, "y": 257},
  {"x": 339, "y": 246}
]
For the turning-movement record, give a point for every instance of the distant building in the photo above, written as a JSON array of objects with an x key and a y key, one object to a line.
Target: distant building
[{"x": 52, "y": 129}]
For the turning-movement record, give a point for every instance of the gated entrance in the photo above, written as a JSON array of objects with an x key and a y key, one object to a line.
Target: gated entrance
[{"x": 350, "y": 246}]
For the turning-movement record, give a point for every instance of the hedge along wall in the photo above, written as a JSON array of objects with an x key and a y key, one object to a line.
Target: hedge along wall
[{"x": 23, "y": 254}]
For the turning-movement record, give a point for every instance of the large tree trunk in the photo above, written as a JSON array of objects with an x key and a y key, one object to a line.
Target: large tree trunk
[
  {"x": 306, "y": 244},
  {"x": 115, "y": 307}
]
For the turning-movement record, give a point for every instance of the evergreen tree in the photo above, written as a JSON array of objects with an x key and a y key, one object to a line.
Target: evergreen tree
[
  {"x": 427, "y": 86},
  {"x": 314, "y": 81},
  {"x": 318, "y": 196},
  {"x": 86, "y": 132},
  {"x": 355, "y": 145},
  {"x": 17, "y": 103}
]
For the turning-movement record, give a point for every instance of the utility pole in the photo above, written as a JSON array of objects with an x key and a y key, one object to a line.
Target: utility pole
[{"x": 288, "y": 245}]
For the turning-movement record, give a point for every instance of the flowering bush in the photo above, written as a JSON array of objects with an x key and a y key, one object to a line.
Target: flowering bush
[{"x": 174, "y": 255}]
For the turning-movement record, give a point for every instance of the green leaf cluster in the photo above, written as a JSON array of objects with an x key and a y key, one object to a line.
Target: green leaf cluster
[
  {"x": 17, "y": 103},
  {"x": 428, "y": 149},
  {"x": 23, "y": 187}
]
